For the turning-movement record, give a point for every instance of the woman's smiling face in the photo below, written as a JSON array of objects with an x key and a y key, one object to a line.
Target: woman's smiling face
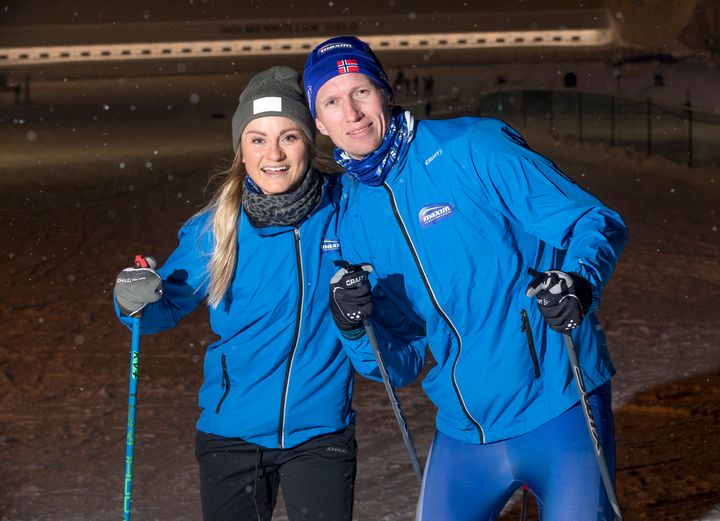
[{"x": 275, "y": 153}]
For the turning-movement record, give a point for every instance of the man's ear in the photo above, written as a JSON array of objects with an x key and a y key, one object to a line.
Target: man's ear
[{"x": 322, "y": 128}]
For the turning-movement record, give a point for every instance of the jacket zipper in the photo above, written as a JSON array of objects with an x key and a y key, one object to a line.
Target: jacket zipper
[
  {"x": 296, "y": 338},
  {"x": 225, "y": 384},
  {"x": 437, "y": 307},
  {"x": 531, "y": 344}
]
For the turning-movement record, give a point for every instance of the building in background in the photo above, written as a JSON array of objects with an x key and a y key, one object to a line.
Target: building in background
[{"x": 86, "y": 41}]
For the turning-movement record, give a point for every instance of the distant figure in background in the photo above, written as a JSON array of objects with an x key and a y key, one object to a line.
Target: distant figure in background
[
  {"x": 570, "y": 80},
  {"x": 428, "y": 82},
  {"x": 451, "y": 214},
  {"x": 4, "y": 85},
  {"x": 277, "y": 392},
  {"x": 399, "y": 80}
]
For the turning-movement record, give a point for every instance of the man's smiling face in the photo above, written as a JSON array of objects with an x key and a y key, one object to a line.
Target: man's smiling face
[{"x": 353, "y": 112}]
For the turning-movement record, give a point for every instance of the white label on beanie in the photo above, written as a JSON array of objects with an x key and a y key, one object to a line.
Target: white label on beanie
[{"x": 267, "y": 104}]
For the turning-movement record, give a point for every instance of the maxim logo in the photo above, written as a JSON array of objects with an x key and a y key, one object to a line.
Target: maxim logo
[
  {"x": 434, "y": 213},
  {"x": 332, "y": 46},
  {"x": 330, "y": 245}
]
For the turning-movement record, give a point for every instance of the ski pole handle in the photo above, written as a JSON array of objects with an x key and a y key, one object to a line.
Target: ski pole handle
[{"x": 399, "y": 415}]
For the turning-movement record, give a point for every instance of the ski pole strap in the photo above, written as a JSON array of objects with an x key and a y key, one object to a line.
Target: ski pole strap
[{"x": 141, "y": 262}]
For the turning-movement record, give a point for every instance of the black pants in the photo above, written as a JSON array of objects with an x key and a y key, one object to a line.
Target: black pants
[{"x": 239, "y": 480}]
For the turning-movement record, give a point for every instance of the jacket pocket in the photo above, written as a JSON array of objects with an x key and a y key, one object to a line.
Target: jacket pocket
[
  {"x": 225, "y": 384},
  {"x": 530, "y": 342}
]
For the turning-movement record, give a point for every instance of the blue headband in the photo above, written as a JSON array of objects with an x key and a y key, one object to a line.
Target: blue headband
[{"x": 340, "y": 55}]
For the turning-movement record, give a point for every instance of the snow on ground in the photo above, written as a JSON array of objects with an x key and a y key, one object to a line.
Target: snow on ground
[{"x": 76, "y": 205}]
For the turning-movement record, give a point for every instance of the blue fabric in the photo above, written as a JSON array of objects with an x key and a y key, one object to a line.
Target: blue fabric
[
  {"x": 466, "y": 482},
  {"x": 250, "y": 185},
  {"x": 249, "y": 367},
  {"x": 374, "y": 168},
  {"x": 341, "y": 55},
  {"x": 479, "y": 208}
]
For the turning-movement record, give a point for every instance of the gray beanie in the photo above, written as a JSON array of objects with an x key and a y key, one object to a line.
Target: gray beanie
[{"x": 274, "y": 92}]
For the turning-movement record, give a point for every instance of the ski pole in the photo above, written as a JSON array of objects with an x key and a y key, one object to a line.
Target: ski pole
[
  {"x": 592, "y": 428},
  {"x": 399, "y": 416},
  {"x": 523, "y": 511},
  {"x": 140, "y": 262},
  {"x": 132, "y": 398}
]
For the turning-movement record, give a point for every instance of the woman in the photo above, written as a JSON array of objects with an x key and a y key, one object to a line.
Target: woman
[{"x": 276, "y": 397}]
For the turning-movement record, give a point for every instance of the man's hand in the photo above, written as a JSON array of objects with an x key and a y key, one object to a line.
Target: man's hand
[
  {"x": 350, "y": 298},
  {"x": 563, "y": 298}
]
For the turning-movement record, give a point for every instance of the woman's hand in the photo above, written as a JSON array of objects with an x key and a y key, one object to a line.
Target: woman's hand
[{"x": 138, "y": 286}]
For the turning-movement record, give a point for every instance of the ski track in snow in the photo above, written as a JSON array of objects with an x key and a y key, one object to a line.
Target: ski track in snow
[{"x": 75, "y": 206}]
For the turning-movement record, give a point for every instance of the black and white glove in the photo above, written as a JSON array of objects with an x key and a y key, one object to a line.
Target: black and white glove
[
  {"x": 138, "y": 286},
  {"x": 350, "y": 298},
  {"x": 563, "y": 298}
]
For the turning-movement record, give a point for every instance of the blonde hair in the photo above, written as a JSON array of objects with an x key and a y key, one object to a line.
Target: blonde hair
[{"x": 224, "y": 209}]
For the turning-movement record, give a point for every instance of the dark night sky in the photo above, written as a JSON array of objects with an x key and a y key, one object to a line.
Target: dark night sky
[{"x": 44, "y": 12}]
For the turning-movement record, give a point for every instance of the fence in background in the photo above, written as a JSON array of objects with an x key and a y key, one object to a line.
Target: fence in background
[{"x": 680, "y": 133}]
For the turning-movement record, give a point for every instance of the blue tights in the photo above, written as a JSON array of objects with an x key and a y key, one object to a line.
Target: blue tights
[{"x": 466, "y": 482}]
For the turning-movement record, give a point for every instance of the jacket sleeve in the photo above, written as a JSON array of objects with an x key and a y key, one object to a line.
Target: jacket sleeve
[
  {"x": 400, "y": 333},
  {"x": 401, "y": 342},
  {"x": 535, "y": 195},
  {"x": 184, "y": 278}
]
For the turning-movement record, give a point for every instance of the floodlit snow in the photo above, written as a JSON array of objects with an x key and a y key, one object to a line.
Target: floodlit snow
[{"x": 73, "y": 212}]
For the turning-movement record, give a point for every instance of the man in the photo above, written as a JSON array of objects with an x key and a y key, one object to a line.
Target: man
[{"x": 452, "y": 214}]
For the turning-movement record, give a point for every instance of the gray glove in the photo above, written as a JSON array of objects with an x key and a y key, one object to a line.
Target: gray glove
[{"x": 139, "y": 286}]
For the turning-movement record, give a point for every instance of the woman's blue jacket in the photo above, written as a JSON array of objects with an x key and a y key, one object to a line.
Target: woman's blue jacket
[{"x": 278, "y": 375}]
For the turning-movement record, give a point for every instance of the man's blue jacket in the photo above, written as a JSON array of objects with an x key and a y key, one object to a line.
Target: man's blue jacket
[{"x": 466, "y": 210}]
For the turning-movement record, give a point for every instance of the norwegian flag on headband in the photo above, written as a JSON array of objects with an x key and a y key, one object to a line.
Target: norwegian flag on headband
[{"x": 345, "y": 66}]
